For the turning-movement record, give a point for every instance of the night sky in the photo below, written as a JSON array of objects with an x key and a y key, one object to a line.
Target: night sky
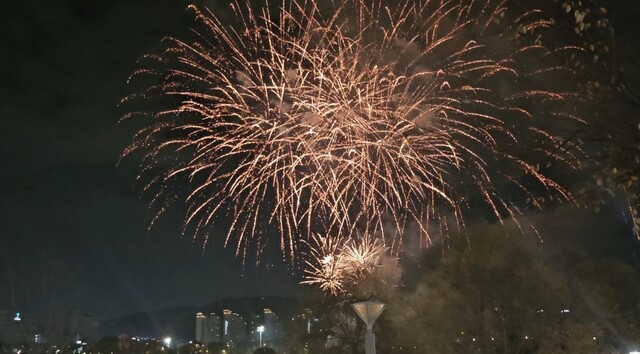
[
  {"x": 62, "y": 191},
  {"x": 63, "y": 70}
]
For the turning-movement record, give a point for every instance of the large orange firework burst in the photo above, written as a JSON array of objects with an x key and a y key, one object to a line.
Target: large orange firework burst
[{"x": 345, "y": 117}]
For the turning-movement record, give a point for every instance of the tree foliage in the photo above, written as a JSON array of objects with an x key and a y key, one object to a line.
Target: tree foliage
[
  {"x": 607, "y": 70},
  {"x": 499, "y": 294},
  {"x": 43, "y": 287}
]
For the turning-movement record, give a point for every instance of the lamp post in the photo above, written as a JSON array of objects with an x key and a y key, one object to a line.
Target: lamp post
[
  {"x": 260, "y": 330},
  {"x": 369, "y": 311}
]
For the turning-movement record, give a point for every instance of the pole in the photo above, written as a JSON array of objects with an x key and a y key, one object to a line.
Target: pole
[
  {"x": 369, "y": 341},
  {"x": 260, "y": 330}
]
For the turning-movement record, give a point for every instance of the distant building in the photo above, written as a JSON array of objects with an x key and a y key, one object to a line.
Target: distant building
[
  {"x": 200, "y": 318},
  {"x": 265, "y": 328},
  {"x": 255, "y": 321},
  {"x": 241, "y": 332},
  {"x": 234, "y": 328},
  {"x": 272, "y": 331},
  {"x": 212, "y": 329},
  {"x": 208, "y": 329},
  {"x": 306, "y": 319}
]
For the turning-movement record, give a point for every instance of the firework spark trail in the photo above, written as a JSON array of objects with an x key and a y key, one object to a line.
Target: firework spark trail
[{"x": 336, "y": 117}]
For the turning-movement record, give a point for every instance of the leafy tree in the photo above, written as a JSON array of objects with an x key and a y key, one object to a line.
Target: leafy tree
[
  {"x": 493, "y": 293},
  {"x": 106, "y": 345},
  {"x": 43, "y": 288},
  {"x": 264, "y": 350},
  {"x": 335, "y": 327},
  {"x": 607, "y": 70},
  {"x": 196, "y": 348}
]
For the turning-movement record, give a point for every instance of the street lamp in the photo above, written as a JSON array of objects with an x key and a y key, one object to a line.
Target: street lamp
[
  {"x": 260, "y": 330},
  {"x": 369, "y": 311}
]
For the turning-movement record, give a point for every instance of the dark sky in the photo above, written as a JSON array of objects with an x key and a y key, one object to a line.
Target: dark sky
[{"x": 63, "y": 69}]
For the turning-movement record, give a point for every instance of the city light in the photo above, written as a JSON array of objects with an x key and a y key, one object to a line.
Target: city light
[
  {"x": 260, "y": 330},
  {"x": 167, "y": 341}
]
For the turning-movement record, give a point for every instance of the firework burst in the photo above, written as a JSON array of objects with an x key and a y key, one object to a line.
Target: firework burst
[
  {"x": 335, "y": 264},
  {"x": 341, "y": 117},
  {"x": 323, "y": 265}
]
